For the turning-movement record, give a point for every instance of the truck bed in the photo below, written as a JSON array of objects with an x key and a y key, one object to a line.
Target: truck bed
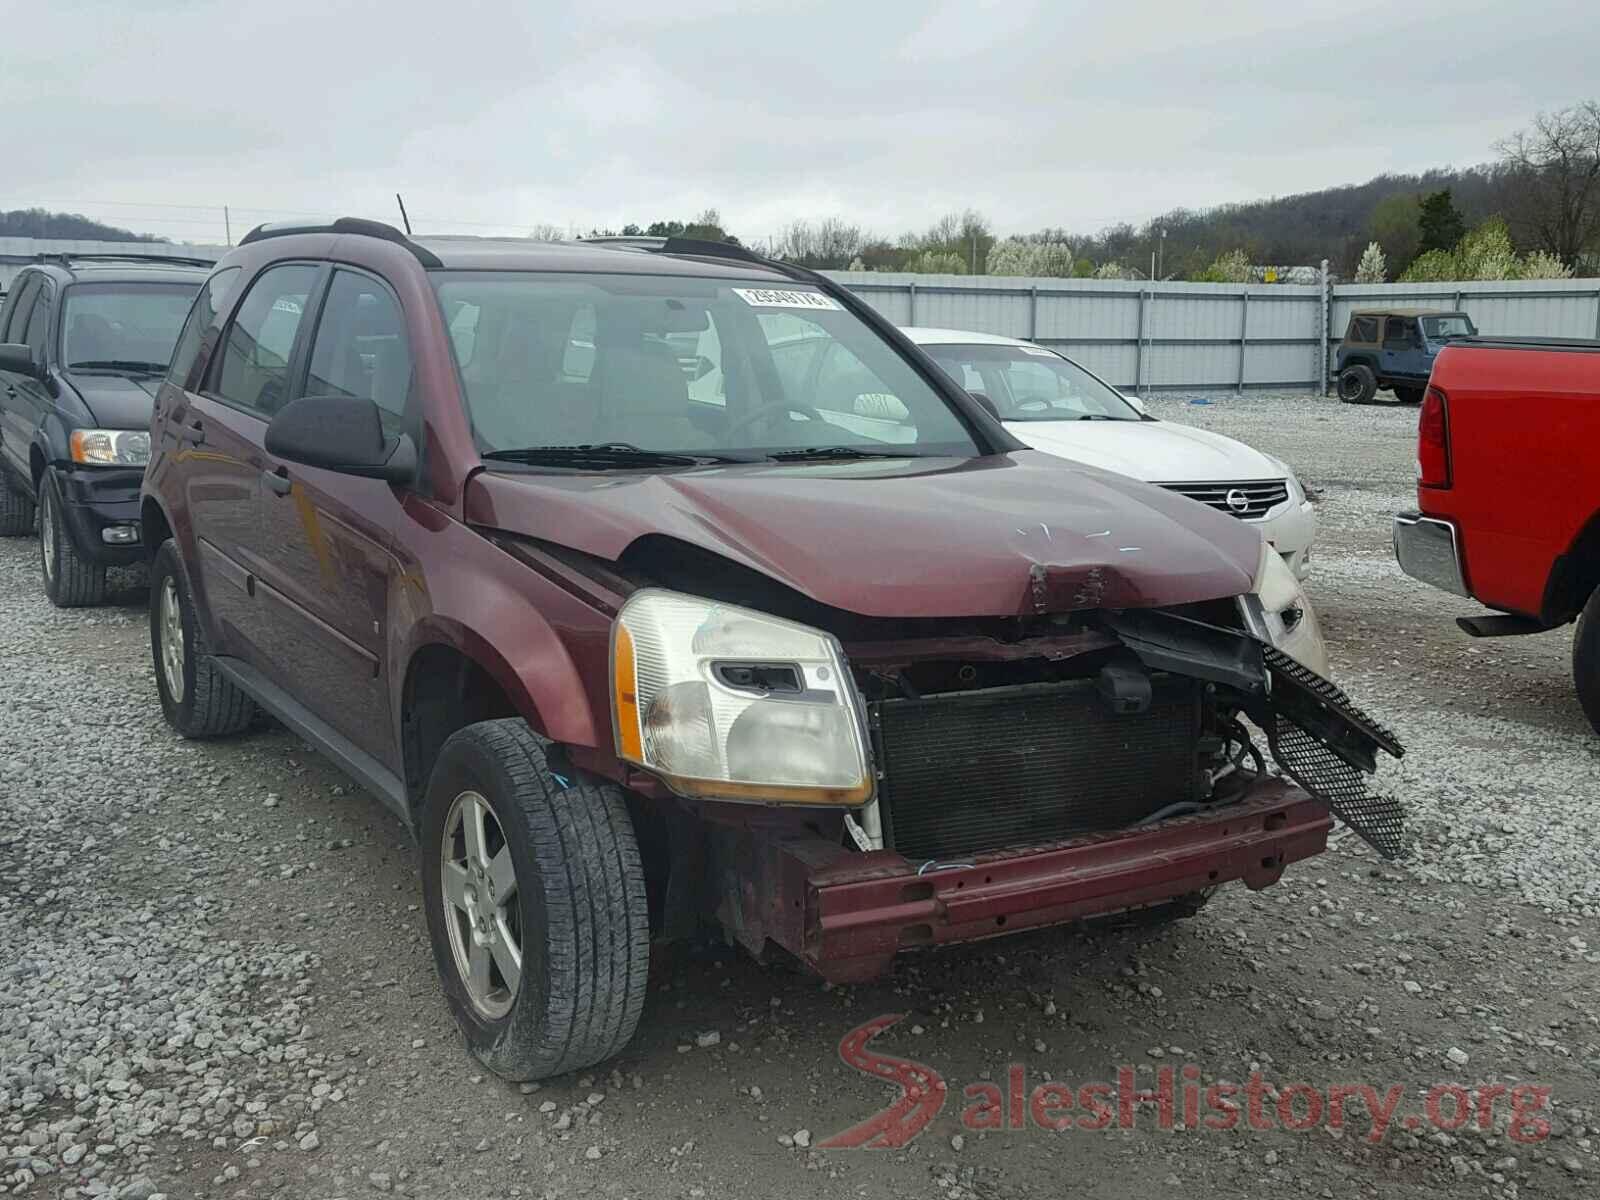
[{"x": 1523, "y": 421}]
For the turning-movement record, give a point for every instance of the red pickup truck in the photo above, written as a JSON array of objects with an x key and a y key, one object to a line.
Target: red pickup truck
[{"x": 1508, "y": 484}]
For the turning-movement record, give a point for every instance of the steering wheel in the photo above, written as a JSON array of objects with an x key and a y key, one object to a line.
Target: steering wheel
[{"x": 750, "y": 418}]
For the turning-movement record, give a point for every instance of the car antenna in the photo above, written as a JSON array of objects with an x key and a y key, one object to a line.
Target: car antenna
[{"x": 403, "y": 218}]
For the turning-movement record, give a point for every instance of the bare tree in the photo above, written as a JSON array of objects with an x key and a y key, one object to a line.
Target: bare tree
[
  {"x": 546, "y": 232},
  {"x": 829, "y": 244},
  {"x": 1556, "y": 168}
]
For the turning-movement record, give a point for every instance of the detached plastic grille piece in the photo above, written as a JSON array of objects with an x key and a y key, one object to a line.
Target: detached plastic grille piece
[{"x": 1378, "y": 820}]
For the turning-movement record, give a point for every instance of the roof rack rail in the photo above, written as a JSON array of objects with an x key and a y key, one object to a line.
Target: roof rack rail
[
  {"x": 181, "y": 260},
  {"x": 353, "y": 225},
  {"x": 700, "y": 248},
  {"x": 642, "y": 241}
]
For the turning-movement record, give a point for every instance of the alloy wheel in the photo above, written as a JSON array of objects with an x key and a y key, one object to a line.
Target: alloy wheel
[
  {"x": 170, "y": 617},
  {"x": 47, "y": 533},
  {"x": 482, "y": 914}
]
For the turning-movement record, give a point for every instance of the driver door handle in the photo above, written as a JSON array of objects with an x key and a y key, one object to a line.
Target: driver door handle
[
  {"x": 278, "y": 481},
  {"x": 194, "y": 431}
]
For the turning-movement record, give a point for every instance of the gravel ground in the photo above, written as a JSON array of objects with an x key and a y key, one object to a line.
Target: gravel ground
[{"x": 215, "y": 981}]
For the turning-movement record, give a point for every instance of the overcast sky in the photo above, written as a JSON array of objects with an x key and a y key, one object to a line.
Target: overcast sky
[{"x": 492, "y": 116}]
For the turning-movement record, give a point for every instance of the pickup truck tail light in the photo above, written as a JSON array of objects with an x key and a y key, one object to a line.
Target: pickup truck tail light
[{"x": 1433, "y": 441}]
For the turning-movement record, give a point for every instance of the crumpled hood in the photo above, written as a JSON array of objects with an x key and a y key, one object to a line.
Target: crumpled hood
[
  {"x": 1158, "y": 451},
  {"x": 998, "y": 536},
  {"x": 117, "y": 401}
]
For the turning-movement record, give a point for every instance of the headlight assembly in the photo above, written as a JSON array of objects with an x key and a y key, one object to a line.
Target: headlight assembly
[
  {"x": 1277, "y": 610},
  {"x": 724, "y": 703},
  {"x": 110, "y": 447}
]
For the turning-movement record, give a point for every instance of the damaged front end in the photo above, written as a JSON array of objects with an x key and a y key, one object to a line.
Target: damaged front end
[
  {"x": 1090, "y": 764},
  {"x": 1317, "y": 735}
]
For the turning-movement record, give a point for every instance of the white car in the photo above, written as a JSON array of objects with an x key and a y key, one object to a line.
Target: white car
[{"x": 1053, "y": 404}]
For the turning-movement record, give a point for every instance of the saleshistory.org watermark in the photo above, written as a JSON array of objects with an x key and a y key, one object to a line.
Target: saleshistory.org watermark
[{"x": 1175, "y": 1098}]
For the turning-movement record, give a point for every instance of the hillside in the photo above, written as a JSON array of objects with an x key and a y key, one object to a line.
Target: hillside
[
  {"x": 38, "y": 223},
  {"x": 1335, "y": 223}
]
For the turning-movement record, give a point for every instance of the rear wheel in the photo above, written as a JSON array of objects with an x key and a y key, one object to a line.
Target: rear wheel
[
  {"x": 536, "y": 908},
  {"x": 1408, "y": 395},
  {"x": 16, "y": 512},
  {"x": 1586, "y": 659},
  {"x": 1357, "y": 384},
  {"x": 70, "y": 579},
  {"x": 197, "y": 699}
]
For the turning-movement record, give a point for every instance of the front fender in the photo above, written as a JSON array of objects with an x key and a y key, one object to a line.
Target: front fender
[{"x": 545, "y": 648}]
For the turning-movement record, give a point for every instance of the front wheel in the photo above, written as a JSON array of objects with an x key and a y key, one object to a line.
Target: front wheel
[
  {"x": 1357, "y": 384},
  {"x": 70, "y": 579},
  {"x": 535, "y": 899},
  {"x": 1586, "y": 659}
]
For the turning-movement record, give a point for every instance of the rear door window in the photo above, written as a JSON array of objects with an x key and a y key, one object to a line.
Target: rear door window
[
  {"x": 254, "y": 370},
  {"x": 1400, "y": 333}
]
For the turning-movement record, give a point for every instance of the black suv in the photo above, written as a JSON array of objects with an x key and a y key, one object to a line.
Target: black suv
[{"x": 84, "y": 342}]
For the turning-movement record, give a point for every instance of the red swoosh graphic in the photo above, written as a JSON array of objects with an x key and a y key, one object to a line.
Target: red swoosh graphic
[{"x": 922, "y": 1092}]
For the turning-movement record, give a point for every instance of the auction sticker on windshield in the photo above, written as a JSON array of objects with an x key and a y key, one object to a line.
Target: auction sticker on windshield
[{"x": 773, "y": 298}]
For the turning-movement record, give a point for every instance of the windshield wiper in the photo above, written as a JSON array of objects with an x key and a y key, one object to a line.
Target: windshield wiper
[
  {"x": 119, "y": 364},
  {"x": 818, "y": 453},
  {"x": 607, "y": 454}
]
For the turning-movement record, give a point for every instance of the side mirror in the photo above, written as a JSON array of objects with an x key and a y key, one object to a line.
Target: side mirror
[
  {"x": 340, "y": 433},
  {"x": 17, "y": 357},
  {"x": 988, "y": 404},
  {"x": 1136, "y": 404}
]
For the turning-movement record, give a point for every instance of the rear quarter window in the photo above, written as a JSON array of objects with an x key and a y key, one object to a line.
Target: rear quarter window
[
  {"x": 202, "y": 315},
  {"x": 1363, "y": 329}
]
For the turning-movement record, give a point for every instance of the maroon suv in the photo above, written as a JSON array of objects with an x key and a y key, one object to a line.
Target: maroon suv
[{"x": 655, "y": 582}]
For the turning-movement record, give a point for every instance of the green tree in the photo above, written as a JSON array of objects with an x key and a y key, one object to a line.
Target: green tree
[
  {"x": 1395, "y": 228},
  {"x": 1439, "y": 222},
  {"x": 1434, "y": 266},
  {"x": 1083, "y": 269},
  {"x": 1231, "y": 266}
]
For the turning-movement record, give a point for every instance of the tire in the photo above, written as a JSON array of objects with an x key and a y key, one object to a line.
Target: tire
[
  {"x": 579, "y": 918},
  {"x": 197, "y": 699},
  {"x": 16, "y": 512},
  {"x": 70, "y": 579},
  {"x": 1409, "y": 395},
  {"x": 1357, "y": 384},
  {"x": 1586, "y": 659}
]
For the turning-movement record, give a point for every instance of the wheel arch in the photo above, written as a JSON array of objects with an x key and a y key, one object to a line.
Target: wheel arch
[
  {"x": 154, "y": 527},
  {"x": 1574, "y": 576},
  {"x": 454, "y": 677}
]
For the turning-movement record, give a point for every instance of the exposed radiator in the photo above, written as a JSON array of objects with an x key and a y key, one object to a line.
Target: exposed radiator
[{"x": 1014, "y": 766}]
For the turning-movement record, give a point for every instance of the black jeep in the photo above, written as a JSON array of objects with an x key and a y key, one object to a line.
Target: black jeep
[
  {"x": 84, "y": 341},
  {"x": 1394, "y": 348}
]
